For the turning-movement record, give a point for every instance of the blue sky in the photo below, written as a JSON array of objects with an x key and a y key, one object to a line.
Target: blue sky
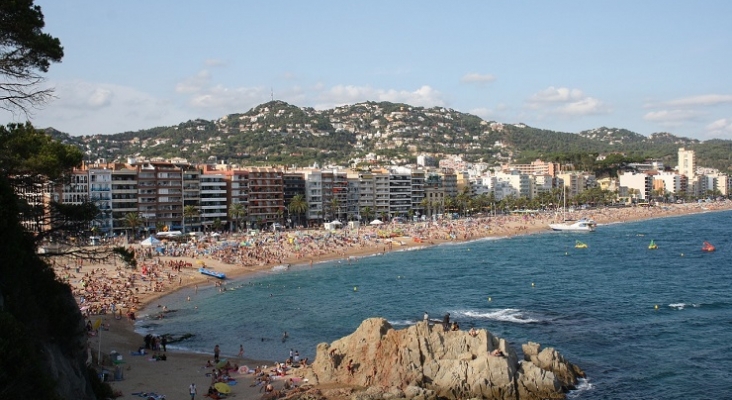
[{"x": 647, "y": 66}]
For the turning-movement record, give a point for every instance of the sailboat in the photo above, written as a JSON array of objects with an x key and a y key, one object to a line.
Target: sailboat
[
  {"x": 652, "y": 246},
  {"x": 583, "y": 225},
  {"x": 580, "y": 245}
]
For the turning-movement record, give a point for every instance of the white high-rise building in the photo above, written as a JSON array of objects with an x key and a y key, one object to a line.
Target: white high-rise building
[{"x": 687, "y": 163}]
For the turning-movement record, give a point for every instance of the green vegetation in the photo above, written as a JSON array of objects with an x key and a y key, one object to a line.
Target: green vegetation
[{"x": 277, "y": 133}]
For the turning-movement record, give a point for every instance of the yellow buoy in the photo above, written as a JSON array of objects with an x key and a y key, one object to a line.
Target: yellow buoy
[
  {"x": 355, "y": 288},
  {"x": 656, "y": 306},
  {"x": 532, "y": 284},
  {"x": 490, "y": 299}
]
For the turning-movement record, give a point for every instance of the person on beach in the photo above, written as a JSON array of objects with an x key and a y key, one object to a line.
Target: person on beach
[
  {"x": 192, "y": 390},
  {"x": 241, "y": 350},
  {"x": 217, "y": 350}
]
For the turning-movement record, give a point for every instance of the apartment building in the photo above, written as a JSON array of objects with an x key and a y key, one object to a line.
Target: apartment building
[
  {"x": 124, "y": 195},
  {"x": 160, "y": 195},
  {"x": 100, "y": 193},
  {"x": 213, "y": 208},
  {"x": 266, "y": 197},
  {"x": 400, "y": 192}
]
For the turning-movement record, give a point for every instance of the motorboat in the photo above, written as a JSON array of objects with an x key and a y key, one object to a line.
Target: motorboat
[
  {"x": 582, "y": 225},
  {"x": 708, "y": 247}
]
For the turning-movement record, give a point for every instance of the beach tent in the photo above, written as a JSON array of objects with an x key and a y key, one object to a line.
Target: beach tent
[
  {"x": 376, "y": 222},
  {"x": 151, "y": 241},
  {"x": 336, "y": 222}
]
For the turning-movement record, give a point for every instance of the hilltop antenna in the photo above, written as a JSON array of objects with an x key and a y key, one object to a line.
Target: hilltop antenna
[{"x": 271, "y": 91}]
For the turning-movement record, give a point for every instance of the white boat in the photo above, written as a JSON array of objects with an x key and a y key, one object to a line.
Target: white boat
[{"x": 583, "y": 225}]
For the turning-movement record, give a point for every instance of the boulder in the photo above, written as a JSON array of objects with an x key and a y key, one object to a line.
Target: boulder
[{"x": 425, "y": 362}]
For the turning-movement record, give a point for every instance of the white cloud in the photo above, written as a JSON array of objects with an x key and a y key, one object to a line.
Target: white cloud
[
  {"x": 565, "y": 101},
  {"x": 233, "y": 100},
  {"x": 556, "y": 95},
  {"x": 721, "y": 128},
  {"x": 194, "y": 84},
  {"x": 425, "y": 96},
  {"x": 483, "y": 112},
  {"x": 213, "y": 62},
  {"x": 670, "y": 116},
  {"x": 477, "y": 78},
  {"x": 88, "y": 108},
  {"x": 586, "y": 106},
  {"x": 100, "y": 97},
  {"x": 701, "y": 100}
]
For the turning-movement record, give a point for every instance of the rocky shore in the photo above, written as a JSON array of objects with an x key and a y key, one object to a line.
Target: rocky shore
[{"x": 426, "y": 361}]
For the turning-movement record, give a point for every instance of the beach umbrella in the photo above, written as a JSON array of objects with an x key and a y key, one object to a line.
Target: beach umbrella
[
  {"x": 221, "y": 364},
  {"x": 221, "y": 387},
  {"x": 376, "y": 222},
  {"x": 336, "y": 222}
]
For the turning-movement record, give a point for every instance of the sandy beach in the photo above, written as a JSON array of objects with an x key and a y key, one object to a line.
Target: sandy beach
[{"x": 115, "y": 290}]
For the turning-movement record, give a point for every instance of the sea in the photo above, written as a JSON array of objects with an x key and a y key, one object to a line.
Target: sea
[{"x": 642, "y": 324}]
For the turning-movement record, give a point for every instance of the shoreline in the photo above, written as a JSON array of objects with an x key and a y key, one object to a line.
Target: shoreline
[{"x": 172, "y": 376}]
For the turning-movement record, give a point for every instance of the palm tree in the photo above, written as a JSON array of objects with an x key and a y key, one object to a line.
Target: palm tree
[
  {"x": 298, "y": 206},
  {"x": 132, "y": 221},
  {"x": 426, "y": 203},
  {"x": 449, "y": 204},
  {"x": 237, "y": 212},
  {"x": 335, "y": 207},
  {"x": 367, "y": 212},
  {"x": 189, "y": 212}
]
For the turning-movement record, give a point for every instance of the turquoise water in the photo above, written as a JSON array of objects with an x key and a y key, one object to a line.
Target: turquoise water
[{"x": 595, "y": 305}]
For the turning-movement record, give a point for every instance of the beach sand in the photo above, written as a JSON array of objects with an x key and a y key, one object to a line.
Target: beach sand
[{"x": 173, "y": 376}]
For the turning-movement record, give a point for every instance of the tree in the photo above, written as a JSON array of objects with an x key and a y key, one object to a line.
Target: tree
[
  {"x": 24, "y": 52},
  {"x": 189, "y": 212},
  {"x": 367, "y": 212},
  {"x": 31, "y": 160},
  {"x": 133, "y": 221},
  {"x": 236, "y": 213},
  {"x": 335, "y": 206},
  {"x": 298, "y": 206}
]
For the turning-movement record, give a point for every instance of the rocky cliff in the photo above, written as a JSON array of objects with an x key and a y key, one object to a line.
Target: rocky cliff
[
  {"x": 43, "y": 343},
  {"x": 423, "y": 361}
]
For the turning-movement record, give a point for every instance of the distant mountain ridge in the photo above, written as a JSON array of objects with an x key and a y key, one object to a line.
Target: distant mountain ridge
[{"x": 278, "y": 133}]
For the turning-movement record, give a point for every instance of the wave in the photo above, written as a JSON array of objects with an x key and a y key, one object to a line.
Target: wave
[
  {"x": 405, "y": 322},
  {"x": 583, "y": 385},
  {"x": 681, "y": 306},
  {"x": 504, "y": 315}
]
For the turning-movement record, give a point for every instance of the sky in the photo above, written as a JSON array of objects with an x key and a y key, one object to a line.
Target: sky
[{"x": 647, "y": 66}]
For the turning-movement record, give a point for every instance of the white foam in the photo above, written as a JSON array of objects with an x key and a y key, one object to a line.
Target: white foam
[
  {"x": 405, "y": 322},
  {"x": 506, "y": 315},
  {"x": 583, "y": 385},
  {"x": 681, "y": 306}
]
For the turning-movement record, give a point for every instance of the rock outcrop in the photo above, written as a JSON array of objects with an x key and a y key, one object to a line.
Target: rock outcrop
[{"x": 425, "y": 362}]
